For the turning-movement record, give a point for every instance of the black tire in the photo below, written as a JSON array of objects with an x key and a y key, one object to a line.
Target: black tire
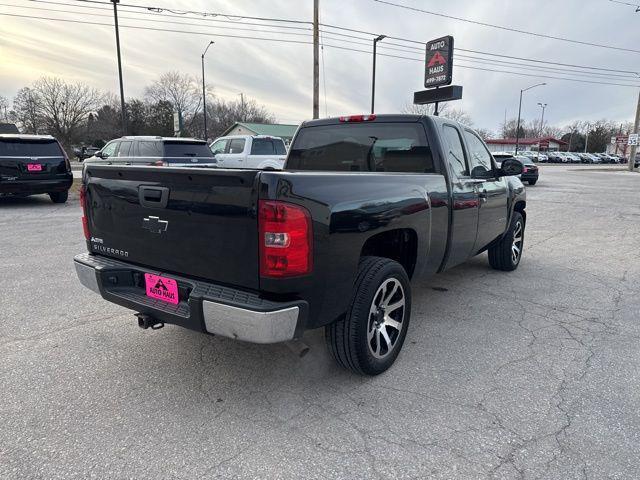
[
  {"x": 501, "y": 254},
  {"x": 348, "y": 338},
  {"x": 59, "y": 197},
  {"x": 532, "y": 182}
]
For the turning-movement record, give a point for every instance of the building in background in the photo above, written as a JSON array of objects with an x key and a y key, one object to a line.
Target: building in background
[
  {"x": 286, "y": 132},
  {"x": 536, "y": 144}
]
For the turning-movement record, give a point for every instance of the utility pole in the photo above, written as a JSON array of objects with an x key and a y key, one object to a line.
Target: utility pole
[
  {"x": 122, "y": 106},
  {"x": 204, "y": 93},
  {"x": 243, "y": 116},
  {"x": 634, "y": 148},
  {"x": 316, "y": 64},
  {"x": 373, "y": 76}
]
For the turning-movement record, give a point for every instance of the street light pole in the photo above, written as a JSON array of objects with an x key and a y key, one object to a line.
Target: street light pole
[
  {"x": 123, "y": 113},
  {"x": 586, "y": 140},
  {"x": 520, "y": 112},
  {"x": 373, "y": 77},
  {"x": 543, "y": 106},
  {"x": 204, "y": 93}
]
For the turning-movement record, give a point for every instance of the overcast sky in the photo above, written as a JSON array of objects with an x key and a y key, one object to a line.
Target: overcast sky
[{"x": 279, "y": 75}]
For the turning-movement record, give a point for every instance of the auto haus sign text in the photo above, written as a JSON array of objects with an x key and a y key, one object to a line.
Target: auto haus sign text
[{"x": 438, "y": 62}]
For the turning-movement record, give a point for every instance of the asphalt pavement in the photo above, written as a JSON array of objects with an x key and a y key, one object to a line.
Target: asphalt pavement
[{"x": 529, "y": 374}]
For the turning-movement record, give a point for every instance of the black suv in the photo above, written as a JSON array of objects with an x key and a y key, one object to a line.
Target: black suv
[
  {"x": 34, "y": 164},
  {"x": 159, "y": 151}
]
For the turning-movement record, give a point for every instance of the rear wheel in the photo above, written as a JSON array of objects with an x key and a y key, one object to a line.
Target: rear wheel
[
  {"x": 59, "y": 197},
  {"x": 506, "y": 254},
  {"x": 368, "y": 339}
]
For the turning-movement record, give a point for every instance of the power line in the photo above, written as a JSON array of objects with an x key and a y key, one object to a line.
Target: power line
[
  {"x": 160, "y": 21},
  {"x": 194, "y": 12},
  {"x": 508, "y": 29},
  {"x": 308, "y": 43},
  {"x": 419, "y": 42},
  {"x": 456, "y": 64},
  {"x": 637, "y": 7},
  {"x": 155, "y": 12},
  {"x": 156, "y": 29}
]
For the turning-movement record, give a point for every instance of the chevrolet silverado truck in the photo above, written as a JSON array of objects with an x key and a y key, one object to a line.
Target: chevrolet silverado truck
[{"x": 366, "y": 204}]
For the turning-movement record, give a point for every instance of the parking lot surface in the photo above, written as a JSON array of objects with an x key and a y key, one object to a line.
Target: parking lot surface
[{"x": 529, "y": 374}]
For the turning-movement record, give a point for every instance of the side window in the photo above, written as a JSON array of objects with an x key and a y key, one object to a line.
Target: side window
[
  {"x": 150, "y": 149},
  {"x": 236, "y": 145},
  {"x": 456, "y": 152},
  {"x": 109, "y": 149},
  {"x": 480, "y": 158},
  {"x": 124, "y": 149},
  {"x": 219, "y": 146}
]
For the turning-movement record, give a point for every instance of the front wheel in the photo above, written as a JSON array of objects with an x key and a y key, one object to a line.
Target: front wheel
[
  {"x": 506, "y": 254},
  {"x": 368, "y": 339},
  {"x": 59, "y": 197}
]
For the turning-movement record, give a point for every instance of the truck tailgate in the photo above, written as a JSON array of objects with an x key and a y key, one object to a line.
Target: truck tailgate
[{"x": 189, "y": 221}]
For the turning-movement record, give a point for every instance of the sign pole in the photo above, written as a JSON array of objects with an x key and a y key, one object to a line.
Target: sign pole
[{"x": 634, "y": 148}]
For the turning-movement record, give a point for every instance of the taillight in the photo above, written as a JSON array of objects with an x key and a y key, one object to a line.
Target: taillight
[
  {"x": 358, "y": 118},
  {"x": 285, "y": 239},
  {"x": 83, "y": 203}
]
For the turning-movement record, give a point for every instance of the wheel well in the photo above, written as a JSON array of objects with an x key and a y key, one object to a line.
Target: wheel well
[
  {"x": 400, "y": 245},
  {"x": 519, "y": 207}
]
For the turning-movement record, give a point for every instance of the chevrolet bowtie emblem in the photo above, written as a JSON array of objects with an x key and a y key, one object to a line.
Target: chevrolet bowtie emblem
[{"x": 154, "y": 224}]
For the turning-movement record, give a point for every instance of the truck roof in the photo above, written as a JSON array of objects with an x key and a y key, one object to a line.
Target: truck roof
[
  {"x": 25, "y": 136},
  {"x": 157, "y": 137}
]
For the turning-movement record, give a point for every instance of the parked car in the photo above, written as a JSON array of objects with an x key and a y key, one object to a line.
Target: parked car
[
  {"x": 250, "y": 151},
  {"x": 557, "y": 157},
  {"x": 585, "y": 157},
  {"x": 529, "y": 171},
  {"x": 32, "y": 165},
  {"x": 84, "y": 152},
  {"x": 572, "y": 157},
  {"x": 158, "y": 151},
  {"x": 366, "y": 203}
]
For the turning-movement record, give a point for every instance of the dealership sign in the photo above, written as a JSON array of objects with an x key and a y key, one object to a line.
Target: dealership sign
[{"x": 439, "y": 62}]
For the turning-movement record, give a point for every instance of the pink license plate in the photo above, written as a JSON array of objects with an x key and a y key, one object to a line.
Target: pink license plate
[
  {"x": 162, "y": 288},
  {"x": 34, "y": 167}
]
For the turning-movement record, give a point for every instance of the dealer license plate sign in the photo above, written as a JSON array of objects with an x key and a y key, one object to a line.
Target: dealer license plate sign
[{"x": 161, "y": 288}]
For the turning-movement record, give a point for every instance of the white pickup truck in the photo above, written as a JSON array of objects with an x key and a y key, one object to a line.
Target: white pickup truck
[{"x": 250, "y": 151}]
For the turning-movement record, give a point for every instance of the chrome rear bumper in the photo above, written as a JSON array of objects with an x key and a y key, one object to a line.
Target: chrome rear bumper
[{"x": 206, "y": 307}]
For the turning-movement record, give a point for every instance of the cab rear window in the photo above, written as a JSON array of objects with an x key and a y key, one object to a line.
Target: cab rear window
[
  {"x": 362, "y": 147},
  {"x": 186, "y": 149},
  {"x": 29, "y": 148}
]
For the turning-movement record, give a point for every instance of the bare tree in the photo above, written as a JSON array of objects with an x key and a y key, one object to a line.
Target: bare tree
[
  {"x": 444, "y": 110},
  {"x": 26, "y": 111},
  {"x": 62, "y": 108},
  {"x": 182, "y": 91},
  {"x": 4, "y": 109}
]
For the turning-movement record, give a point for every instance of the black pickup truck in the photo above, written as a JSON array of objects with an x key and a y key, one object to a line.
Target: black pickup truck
[{"x": 365, "y": 205}]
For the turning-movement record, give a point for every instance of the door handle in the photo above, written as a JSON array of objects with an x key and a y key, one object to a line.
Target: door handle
[
  {"x": 153, "y": 197},
  {"x": 482, "y": 194}
]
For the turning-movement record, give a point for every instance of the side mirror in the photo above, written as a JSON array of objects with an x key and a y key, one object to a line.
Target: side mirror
[
  {"x": 100, "y": 155},
  {"x": 510, "y": 167}
]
